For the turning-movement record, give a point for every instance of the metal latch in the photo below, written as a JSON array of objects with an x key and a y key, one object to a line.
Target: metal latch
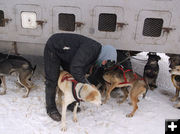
[
  {"x": 41, "y": 22},
  {"x": 6, "y": 20},
  {"x": 121, "y": 24},
  {"x": 167, "y": 29},
  {"x": 79, "y": 24}
]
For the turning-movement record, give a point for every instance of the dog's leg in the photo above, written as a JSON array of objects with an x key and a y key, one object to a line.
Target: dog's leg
[
  {"x": 75, "y": 113},
  {"x": 28, "y": 79},
  {"x": 108, "y": 91},
  {"x": 103, "y": 90},
  {"x": 23, "y": 82},
  {"x": 63, "y": 120},
  {"x": 60, "y": 94},
  {"x": 134, "y": 100},
  {"x": 125, "y": 91},
  {"x": 134, "y": 93},
  {"x": 176, "y": 96},
  {"x": 3, "y": 85},
  {"x": 19, "y": 85}
]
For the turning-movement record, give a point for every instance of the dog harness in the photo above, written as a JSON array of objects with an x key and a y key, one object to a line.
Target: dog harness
[
  {"x": 124, "y": 74},
  {"x": 69, "y": 77}
]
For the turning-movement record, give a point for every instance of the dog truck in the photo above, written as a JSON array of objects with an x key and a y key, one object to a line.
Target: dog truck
[{"x": 136, "y": 25}]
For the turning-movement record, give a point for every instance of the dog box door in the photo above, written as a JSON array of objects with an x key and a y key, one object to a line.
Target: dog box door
[
  {"x": 150, "y": 27},
  {"x": 4, "y": 20},
  {"x": 67, "y": 19},
  {"x": 29, "y": 20},
  {"x": 108, "y": 22}
]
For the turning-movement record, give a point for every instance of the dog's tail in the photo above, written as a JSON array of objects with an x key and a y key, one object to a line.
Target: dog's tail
[{"x": 33, "y": 69}]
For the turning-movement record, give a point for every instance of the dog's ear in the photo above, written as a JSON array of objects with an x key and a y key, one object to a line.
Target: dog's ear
[{"x": 158, "y": 57}]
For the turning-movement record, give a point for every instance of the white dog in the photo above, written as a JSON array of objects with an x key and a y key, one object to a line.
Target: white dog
[{"x": 78, "y": 92}]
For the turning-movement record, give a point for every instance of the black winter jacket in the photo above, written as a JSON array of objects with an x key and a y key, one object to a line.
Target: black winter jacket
[{"x": 76, "y": 53}]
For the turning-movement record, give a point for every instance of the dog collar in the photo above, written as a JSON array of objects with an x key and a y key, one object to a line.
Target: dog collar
[
  {"x": 80, "y": 91},
  {"x": 74, "y": 92},
  {"x": 69, "y": 77}
]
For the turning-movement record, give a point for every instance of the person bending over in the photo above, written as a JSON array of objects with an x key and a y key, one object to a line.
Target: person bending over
[{"x": 76, "y": 54}]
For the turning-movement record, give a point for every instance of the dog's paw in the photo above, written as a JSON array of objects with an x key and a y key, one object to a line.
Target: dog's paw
[
  {"x": 173, "y": 99},
  {"x": 3, "y": 93},
  {"x": 120, "y": 101},
  {"x": 64, "y": 128},
  {"x": 129, "y": 115},
  {"x": 24, "y": 96},
  {"x": 75, "y": 119}
]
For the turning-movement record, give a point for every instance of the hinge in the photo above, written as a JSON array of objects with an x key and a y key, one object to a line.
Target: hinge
[
  {"x": 167, "y": 29},
  {"x": 79, "y": 24}
]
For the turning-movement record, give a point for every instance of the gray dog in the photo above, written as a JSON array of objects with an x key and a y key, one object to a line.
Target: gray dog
[{"x": 11, "y": 64}]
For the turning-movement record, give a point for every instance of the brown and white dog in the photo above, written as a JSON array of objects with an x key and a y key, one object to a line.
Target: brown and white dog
[
  {"x": 119, "y": 77},
  {"x": 81, "y": 92},
  {"x": 175, "y": 77},
  {"x": 174, "y": 60}
]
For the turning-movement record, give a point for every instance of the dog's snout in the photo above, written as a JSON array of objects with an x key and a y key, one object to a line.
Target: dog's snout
[{"x": 170, "y": 71}]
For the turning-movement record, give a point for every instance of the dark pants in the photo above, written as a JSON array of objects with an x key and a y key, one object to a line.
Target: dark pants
[{"x": 52, "y": 71}]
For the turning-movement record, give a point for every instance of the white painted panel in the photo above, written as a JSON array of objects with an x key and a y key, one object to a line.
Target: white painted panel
[
  {"x": 119, "y": 11},
  {"x": 143, "y": 14},
  {"x": 26, "y": 17},
  {"x": 69, "y": 10},
  {"x": 28, "y": 20}
]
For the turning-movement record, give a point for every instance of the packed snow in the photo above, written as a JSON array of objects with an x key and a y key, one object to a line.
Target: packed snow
[{"x": 28, "y": 115}]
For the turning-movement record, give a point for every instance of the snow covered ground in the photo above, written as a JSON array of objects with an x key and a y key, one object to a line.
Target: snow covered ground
[{"x": 28, "y": 115}]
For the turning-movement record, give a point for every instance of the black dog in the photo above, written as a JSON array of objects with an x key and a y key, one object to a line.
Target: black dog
[
  {"x": 96, "y": 76},
  {"x": 151, "y": 70}
]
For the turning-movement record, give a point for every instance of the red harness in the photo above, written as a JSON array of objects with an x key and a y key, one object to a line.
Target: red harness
[
  {"x": 124, "y": 75},
  {"x": 69, "y": 77}
]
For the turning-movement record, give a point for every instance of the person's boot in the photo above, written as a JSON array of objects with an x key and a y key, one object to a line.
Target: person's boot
[
  {"x": 71, "y": 107},
  {"x": 50, "y": 103},
  {"x": 54, "y": 114}
]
